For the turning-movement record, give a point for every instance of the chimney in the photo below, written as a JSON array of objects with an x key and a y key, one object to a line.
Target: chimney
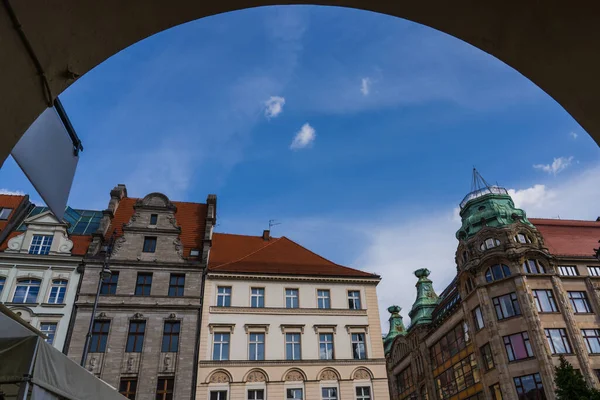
[
  {"x": 116, "y": 195},
  {"x": 266, "y": 235}
]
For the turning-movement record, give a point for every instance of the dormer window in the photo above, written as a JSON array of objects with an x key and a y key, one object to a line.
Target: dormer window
[
  {"x": 40, "y": 244},
  {"x": 5, "y": 213},
  {"x": 522, "y": 238},
  {"x": 153, "y": 219},
  {"x": 489, "y": 243},
  {"x": 496, "y": 272}
]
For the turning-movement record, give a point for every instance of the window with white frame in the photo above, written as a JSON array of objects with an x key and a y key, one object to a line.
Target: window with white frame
[
  {"x": 594, "y": 271},
  {"x": 359, "y": 349},
  {"x": 326, "y": 346},
  {"x": 218, "y": 395},
  {"x": 354, "y": 299},
  {"x": 48, "y": 329},
  {"x": 293, "y": 350},
  {"x": 27, "y": 291},
  {"x": 224, "y": 296},
  {"x": 40, "y": 244},
  {"x": 291, "y": 298},
  {"x": 5, "y": 213},
  {"x": 256, "y": 346},
  {"x": 478, "y": 318},
  {"x": 363, "y": 393},
  {"x": 522, "y": 238},
  {"x": 294, "y": 394},
  {"x": 58, "y": 291},
  {"x": 220, "y": 346},
  {"x": 329, "y": 393},
  {"x": 323, "y": 298},
  {"x": 257, "y": 297},
  {"x": 256, "y": 394},
  {"x": 568, "y": 270},
  {"x": 489, "y": 243}
]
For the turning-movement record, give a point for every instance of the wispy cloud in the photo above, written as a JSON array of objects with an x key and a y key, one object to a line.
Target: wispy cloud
[
  {"x": 573, "y": 135},
  {"x": 365, "y": 86},
  {"x": 558, "y": 165},
  {"x": 304, "y": 137},
  {"x": 274, "y": 106},
  {"x": 12, "y": 192}
]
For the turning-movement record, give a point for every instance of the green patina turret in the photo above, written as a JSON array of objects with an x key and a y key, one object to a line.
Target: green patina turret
[
  {"x": 487, "y": 205},
  {"x": 396, "y": 328},
  {"x": 426, "y": 300}
]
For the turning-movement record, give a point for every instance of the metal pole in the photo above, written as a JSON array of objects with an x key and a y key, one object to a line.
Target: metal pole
[
  {"x": 88, "y": 337},
  {"x": 24, "y": 387}
]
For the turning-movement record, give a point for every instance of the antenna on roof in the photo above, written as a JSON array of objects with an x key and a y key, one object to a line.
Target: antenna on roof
[
  {"x": 478, "y": 182},
  {"x": 273, "y": 222}
]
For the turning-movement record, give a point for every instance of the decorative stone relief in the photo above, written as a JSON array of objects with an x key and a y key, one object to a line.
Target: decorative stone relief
[
  {"x": 101, "y": 315},
  {"x": 64, "y": 244},
  {"x": 178, "y": 246},
  {"x": 219, "y": 377},
  {"x": 361, "y": 374},
  {"x": 172, "y": 221},
  {"x": 328, "y": 375},
  {"x": 256, "y": 376},
  {"x": 167, "y": 363},
  {"x": 133, "y": 219},
  {"x": 294, "y": 376},
  {"x": 130, "y": 364},
  {"x": 15, "y": 243},
  {"x": 172, "y": 316},
  {"x": 118, "y": 245},
  {"x": 138, "y": 316}
]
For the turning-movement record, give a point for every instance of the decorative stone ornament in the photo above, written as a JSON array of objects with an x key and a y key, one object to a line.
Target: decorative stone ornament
[
  {"x": 294, "y": 376},
  {"x": 361, "y": 374},
  {"x": 328, "y": 375},
  {"x": 256, "y": 376},
  {"x": 219, "y": 377}
]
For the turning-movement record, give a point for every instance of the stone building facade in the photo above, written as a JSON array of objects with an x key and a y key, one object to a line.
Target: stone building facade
[
  {"x": 146, "y": 329},
  {"x": 526, "y": 292},
  {"x": 281, "y": 322}
]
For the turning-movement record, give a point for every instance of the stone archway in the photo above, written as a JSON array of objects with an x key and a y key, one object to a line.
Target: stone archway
[{"x": 549, "y": 42}]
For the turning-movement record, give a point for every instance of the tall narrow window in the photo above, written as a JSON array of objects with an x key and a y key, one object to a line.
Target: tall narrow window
[
  {"x": 329, "y": 393},
  {"x": 170, "y": 341},
  {"x": 533, "y": 267},
  {"x": 323, "y": 300},
  {"x": 57, "y": 291},
  {"x": 292, "y": 346},
  {"x": 109, "y": 285},
  {"x": 496, "y": 392},
  {"x": 506, "y": 306},
  {"x": 580, "y": 302},
  {"x": 530, "y": 387},
  {"x": 135, "y": 337},
  {"x": 522, "y": 238},
  {"x": 354, "y": 300},
  {"x": 223, "y": 296},
  {"x": 518, "y": 346},
  {"x": 40, "y": 244},
  {"x": 592, "y": 340},
  {"x": 544, "y": 300},
  {"x": 153, "y": 219},
  {"x": 5, "y": 213},
  {"x": 568, "y": 270},
  {"x": 2, "y": 283},
  {"x": 221, "y": 346},
  {"x": 489, "y": 243},
  {"x": 294, "y": 394},
  {"x": 256, "y": 346},
  {"x": 256, "y": 394},
  {"x": 99, "y": 336},
  {"x": 176, "y": 285},
  {"x": 326, "y": 346},
  {"x": 48, "y": 329},
  {"x": 164, "y": 388},
  {"x": 558, "y": 341},
  {"x": 291, "y": 298},
  {"x": 478, "y": 318},
  {"x": 488, "y": 358},
  {"x": 149, "y": 244},
  {"x": 363, "y": 393},
  {"x": 257, "y": 297},
  {"x": 218, "y": 395},
  {"x": 27, "y": 291},
  {"x": 127, "y": 387},
  {"x": 359, "y": 349},
  {"x": 143, "y": 284}
]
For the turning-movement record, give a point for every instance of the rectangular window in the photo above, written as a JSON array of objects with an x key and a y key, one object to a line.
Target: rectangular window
[
  {"x": 363, "y": 393},
  {"x": 354, "y": 300},
  {"x": 568, "y": 270},
  {"x": 592, "y": 340},
  {"x": 58, "y": 291},
  {"x": 405, "y": 381},
  {"x": 164, "y": 388},
  {"x": 170, "y": 341},
  {"x": 109, "y": 285},
  {"x": 506, "y": 306},
  {"x": 359, "y": 348},
  {"x": 488, "y": 358},
  {"x": 323, "y": 300},
  {"x": 293, "y": 394},
  {"x": 449, "y": 345},
  {"x": 27, "y": 291},
  {"x": 518, "y": 346},
  {"x": 478, "y": 318},
  {"x": 544, "y": 300},
  {"x": 292, "y": 346},
  {"x": 533, "y": 267},
  {"x": 5, "y": 213},
  {"x": 218, "y": 395},
  {"x": 221, "y": 346},
  {"x": 530, "y": 387},
  {"x": 149, "y": 244},
  {"x": 580, "y": 302},
  {"x": 329, "y": 394},
  {"x": 135, "y": 337},
  {"x": 594, "y": 271},
  {"x": 48, "y": 329},
  {"x": 127, "y": 387},
  {"x": 496, "y": 392},
  {"x": 40, "y": 244},
  {"x": 176, "y": 285},
  {"x": 291, "y": 298},
  {"x": 326, "y": 346},
  {"x": 558, "y": 341},
  {"x": 143, "y": 284},
  {"x": 99, "y": 336},
  {"x": 257, "y": 297},
  {"x": 256, "y": 346},
  {"x": 256, "y": 394},
  {"x": 2, "y": 283},
  {"x": 153, "y": 219},
  {"x": 460, "y": 376},
  {"x": 223, "y": 296}
]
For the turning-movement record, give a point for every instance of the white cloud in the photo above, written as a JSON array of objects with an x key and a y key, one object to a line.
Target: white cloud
[
  {"x": 558, "y": 165},
  {"x": 365, "y": 86},
  {"x": 573, "y": 135},
  {"x": 274, "y": 106},
  {"x": 12, "y": 192},
  {"x": 304, "y": 138}
]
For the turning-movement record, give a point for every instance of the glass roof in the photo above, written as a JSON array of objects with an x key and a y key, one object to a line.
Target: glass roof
[{"x": 81, "y": 222}]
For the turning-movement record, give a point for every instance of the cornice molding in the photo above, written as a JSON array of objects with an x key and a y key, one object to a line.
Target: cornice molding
[
  {"x": 136, "y": 306},
  {"x": 292, "y": 363},
  {"x": 291, "y": 278},
  {"x": 286, "y": 311}
]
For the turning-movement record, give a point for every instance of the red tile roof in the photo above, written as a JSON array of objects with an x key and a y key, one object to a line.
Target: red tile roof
[
  {"x": 569, "y": 237},
  {"x": 9, "y": 201},
  {"x": 191, "y": 217},
  {"x": 253, "y": 254}
]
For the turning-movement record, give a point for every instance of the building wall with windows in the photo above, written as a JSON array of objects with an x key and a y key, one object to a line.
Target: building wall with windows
[
  {"x": 526, "y": 292},
  {"x": 280, "y": 322},
  {"x": 145, "y": 332}
]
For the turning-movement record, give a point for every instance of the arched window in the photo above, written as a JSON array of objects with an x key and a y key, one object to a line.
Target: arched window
[
  {"x": 522, "y": 238},
  {"x": 495, "y": 272},
  {"x": 489, "y": 243},
  {"x": 57, "y": 292},
  {"x": 27, "y": 291},
  {"x": 533, "y": 267}
]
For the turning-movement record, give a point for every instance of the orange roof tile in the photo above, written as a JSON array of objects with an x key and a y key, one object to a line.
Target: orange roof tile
[
  {"x": 253, "y": 254},
  {"x": 569, "y": 237},
  {"x": 9, "y": 201}
]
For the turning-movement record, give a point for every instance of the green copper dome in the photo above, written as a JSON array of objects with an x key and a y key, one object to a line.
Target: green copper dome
[
  {"x": 396, "y": 328},
  {"x": 426, "y": 300}
]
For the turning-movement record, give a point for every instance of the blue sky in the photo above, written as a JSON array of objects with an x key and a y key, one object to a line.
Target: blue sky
[{"x": 357, "y": 131}]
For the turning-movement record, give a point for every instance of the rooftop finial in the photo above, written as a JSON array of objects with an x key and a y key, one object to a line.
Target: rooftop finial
[{"x": 478, "y": 182}]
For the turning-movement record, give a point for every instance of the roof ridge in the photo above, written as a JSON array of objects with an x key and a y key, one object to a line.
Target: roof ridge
[
  {"x": 563, "y": 220},
  {"x": 241, "y": 234},
  {"x": 247, "y": 255}
]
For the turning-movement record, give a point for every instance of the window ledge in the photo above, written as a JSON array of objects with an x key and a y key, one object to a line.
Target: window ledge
[
  {"x": 521, "y": 360},
  {"x": 54, "y": 305},
  {"x": 9, "y": 303},
  {"x": 509, "y": 318},
  {"x": 562, "y": 354},
  {"x": 583, "y": 313}
]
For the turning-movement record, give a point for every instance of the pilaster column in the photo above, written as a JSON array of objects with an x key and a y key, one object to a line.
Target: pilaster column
[
  {"x": 427, "y": 372},
  {"x": 476, "y": 350}
]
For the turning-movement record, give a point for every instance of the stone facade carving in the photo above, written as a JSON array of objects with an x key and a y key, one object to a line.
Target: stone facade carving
[
  {"x": 15, "y": 243},
  {"x": 361, "y": 374},
  {"x": 119, "y": 244},
  {"x": 65, "y": 245},
  {"x": 294, "y": 376},
  {"x": 138, "y": 316},
  {"x": 328, "y": 375},
  {"x": 256, "y": 376},
  {"x": 219, "y": 377}
]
